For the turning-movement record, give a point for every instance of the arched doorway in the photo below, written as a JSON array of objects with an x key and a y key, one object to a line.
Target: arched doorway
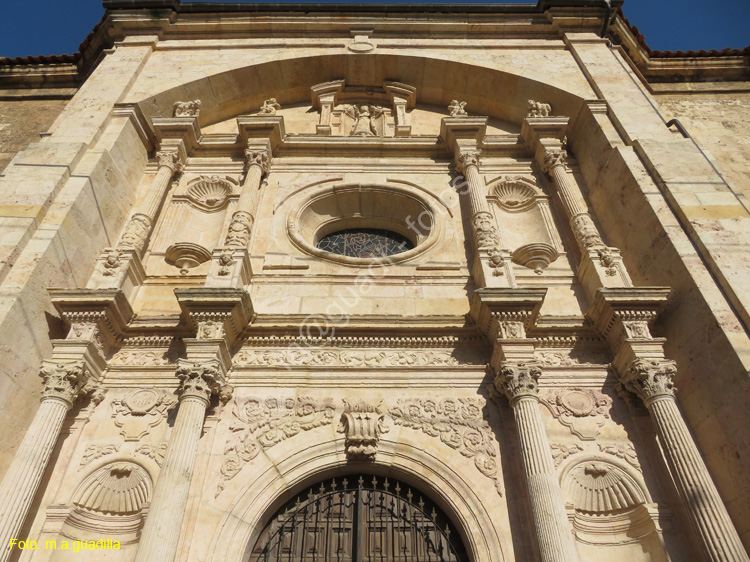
[{"x": 359, "y": 518}]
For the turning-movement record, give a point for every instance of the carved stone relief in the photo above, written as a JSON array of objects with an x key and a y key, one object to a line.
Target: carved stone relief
[
  {"x": 362, "y": 424},
  {"x": 116, "y": 488},
  {"x": 187, "y": 108},
  {"x": 583, "y": 412},
  {"x": 459, "y": 423},
  {"x": 155, "y": 451},
  {"x": 95, "y": 451},
  {"x": 457, "y": 108},
  {"x": 561, "y": 451},
  {"x": 140, "y": 411},
  {"x": 142, "y": 358},
  {"x": 262, "y": 423},
  {"x": 269, "y": 107},
  {"x": 597, "y": 486},
  {"x": 624, "y": 451},
  {"x": 538, "y": 109},
  {"x": 208, "y": 193}
]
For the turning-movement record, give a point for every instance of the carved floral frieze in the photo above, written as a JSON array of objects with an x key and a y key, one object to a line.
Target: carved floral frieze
[
  {"x": 561, "y": 451},
  {"x": 261, "y": 423},
  {"x": 143, "y": 358},
  {"x": 459, "y": 423},
  {"x": 334, "y": 357}
]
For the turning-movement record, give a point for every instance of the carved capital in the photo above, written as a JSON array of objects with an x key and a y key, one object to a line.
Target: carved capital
[
  {"x": 136, "y": 233},
  {"x": 466, "y": 158},
  {"x": 362, "y": 423},
  {"x": 650, "y": 379},
  {"x": 261, "y": 158},
  {"x": 485, "y": 235},
  {"x": 239, "y": 230},
  {"x": 199, "y": 380},
  {"x": 554, "y": 158},
  {"x": 517, "y": 380},
  {"x": 63, "y": 381},
  {"x": 169, "y": 159}
]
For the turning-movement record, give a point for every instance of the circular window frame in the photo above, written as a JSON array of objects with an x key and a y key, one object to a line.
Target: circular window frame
[{"x": 342, "y": 221}]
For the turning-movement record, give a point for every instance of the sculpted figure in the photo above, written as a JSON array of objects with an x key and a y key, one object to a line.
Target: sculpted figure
[
  {"x": 270, "y": 107},
  {"x": 457, "y": 108},
  {"x": 363, "y": 116}
]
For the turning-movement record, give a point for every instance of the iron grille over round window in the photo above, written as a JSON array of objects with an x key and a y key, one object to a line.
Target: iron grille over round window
[
  {"x": 359, "y": 518},
  {"x": 365, "y": 243}
]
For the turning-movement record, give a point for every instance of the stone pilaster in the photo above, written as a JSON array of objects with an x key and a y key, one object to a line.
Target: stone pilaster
[
  {"x": 518, "y": 382},
  {"x": 63, "y": 384},
  {"x": 258, "y": 162},
  {"x": 622, "y": 316}
]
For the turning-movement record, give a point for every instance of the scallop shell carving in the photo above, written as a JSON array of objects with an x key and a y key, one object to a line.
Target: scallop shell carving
[
  {"x": 600, "y": 487},
  {"x": 209, "y": 193},
  {"x": 514, "y": 195},
  {"x": 117, "y": 488}
]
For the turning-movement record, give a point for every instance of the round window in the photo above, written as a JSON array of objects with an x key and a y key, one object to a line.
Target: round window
[{"x": 365, "y": 243}]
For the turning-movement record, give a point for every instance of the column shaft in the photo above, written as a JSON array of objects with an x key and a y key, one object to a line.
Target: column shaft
[
  {"x": 25, "y": 473},
  {"x": 161, "y": 533},
  {"x": 156, "y": 191},
  {"x": 707, "y": 512},
  {"x": 477, "y": 200},
  {"x": 547, "y": 504},
  {"x": 569, "y": 193}
]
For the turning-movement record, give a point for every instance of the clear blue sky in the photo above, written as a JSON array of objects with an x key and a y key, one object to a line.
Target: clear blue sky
[{"x": 47, "y": 27}]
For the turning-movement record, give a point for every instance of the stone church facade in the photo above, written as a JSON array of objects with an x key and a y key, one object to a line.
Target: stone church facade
[{"x": 374, "y": 283}]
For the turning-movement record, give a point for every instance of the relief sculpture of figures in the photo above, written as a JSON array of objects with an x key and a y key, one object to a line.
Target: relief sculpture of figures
[
  {"x": 363, "y": 116},
  {"x": 457, "y": 108},
  {"x": 270, "y": 107}
]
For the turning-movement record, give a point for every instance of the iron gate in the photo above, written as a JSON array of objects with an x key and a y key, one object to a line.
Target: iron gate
[{"x": 359, "y": 519}]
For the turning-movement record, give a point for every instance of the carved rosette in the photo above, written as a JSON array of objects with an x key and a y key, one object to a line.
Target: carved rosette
[
  {"x": 136, "y": 232},
  {"x": 554, "y": 158},
  {"x": 517, "y": 380},
  {"x": 261, "y": 158},
  {"x": 587, "y": 234},
  {"x": 63, "y": 381},
  {"x": 651, "y": 379},
  {"x": 466, "y": 158},
  {"x": 239, "y": 229},
  {"x": 198, "y": 380},
  {"x": 362, "y": 424}
]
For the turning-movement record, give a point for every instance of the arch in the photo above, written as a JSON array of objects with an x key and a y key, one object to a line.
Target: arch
[
  {"x": 498, "y": 93},
  {"x": 275, "y": 484}
]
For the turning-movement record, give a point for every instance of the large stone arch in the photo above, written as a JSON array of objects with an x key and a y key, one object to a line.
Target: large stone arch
[
  {"x": 430, "y": 473},
  {"x": 502, "y": 94}
]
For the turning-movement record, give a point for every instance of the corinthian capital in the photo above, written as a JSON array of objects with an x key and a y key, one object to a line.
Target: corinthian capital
[
  {"x": 466, "y": 158},
  {"x": 553, "y": 158},
  {"x": 199, "y": 380},
  {"x": 261, "y": 158},
  {"x": 650, "y": 379},
  {"x": 169, "y": 159},
  {"x": 517, "y": 380},
  {"x": 64, "y": 381}
]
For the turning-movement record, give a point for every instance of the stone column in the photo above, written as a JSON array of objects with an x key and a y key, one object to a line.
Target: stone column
[
  {"x": 258, "y": 161},
  {"x": 63, "y": 383},
  {"x": 161, "y": 533},
  {"x": 518, "y": 381},
  {"x": 138, "y": 229},
  {"x": 495, "y": 262},
  {"x": 652, "y": 381}
]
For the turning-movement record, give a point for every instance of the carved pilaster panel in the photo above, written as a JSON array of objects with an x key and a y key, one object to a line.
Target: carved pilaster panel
[
  {"x": 485, "y": 234},
  {"x": 238, "y": 233},
  {"x": 136, "y": 232}
]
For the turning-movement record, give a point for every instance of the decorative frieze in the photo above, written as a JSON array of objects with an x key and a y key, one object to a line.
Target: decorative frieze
[
  {"x": 362, "y": 424},
  {"x": 459, "y": 423},
  {"x": 333, "y": 357},
  {"x": 144, "y": 358},
  {"x": 260, "y": 423}
]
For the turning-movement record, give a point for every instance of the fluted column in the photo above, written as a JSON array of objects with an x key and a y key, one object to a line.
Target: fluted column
[
  {"x": 240, "y": 229},
  {"x": 518, "y": 381},
  {"x": 494, "y": 260},
  {"x": 139, "y": 228},
  {"x": 652, "y": 381},
  {"x": 161, "y": 533},
  {"x": 63, "y": 383}
]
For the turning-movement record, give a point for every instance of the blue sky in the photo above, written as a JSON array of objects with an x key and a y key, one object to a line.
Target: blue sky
[{"x": 47, "y": 27}]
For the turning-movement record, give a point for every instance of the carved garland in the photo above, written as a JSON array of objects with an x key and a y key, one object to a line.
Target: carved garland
[
  {"x": 262, "y": 423},
  {"x": 458, "y": 423}
]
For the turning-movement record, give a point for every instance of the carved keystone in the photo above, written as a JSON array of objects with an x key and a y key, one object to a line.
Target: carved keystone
[{"x": 362, "y": 423}]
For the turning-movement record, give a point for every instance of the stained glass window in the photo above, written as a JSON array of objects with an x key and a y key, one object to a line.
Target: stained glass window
[{"x": 365, "y": 243}]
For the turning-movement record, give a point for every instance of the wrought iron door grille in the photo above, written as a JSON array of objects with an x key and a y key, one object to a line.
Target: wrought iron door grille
[{"x": 359, "y": 519}]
